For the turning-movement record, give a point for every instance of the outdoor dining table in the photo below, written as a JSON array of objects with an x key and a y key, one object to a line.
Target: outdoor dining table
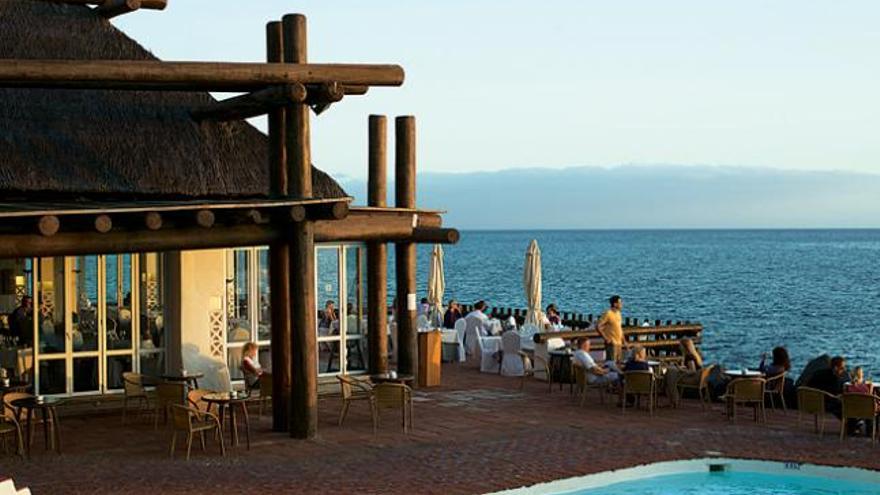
[
  {"x": 392, "y": 378},
  {"x": 231, "y": 401},
  {"x": 744, "y": 374},
  {"x": 191, "y": 379},
  {"x": 46, "y": 406}
]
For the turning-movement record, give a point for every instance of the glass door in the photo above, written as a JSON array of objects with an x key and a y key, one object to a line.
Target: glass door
[
  {"x": 50, "y": 325},
  {"x": 86, "y": 324},
  {"x": 342, "y": 345},
  {"x": 119, "y": 322},
  {"x": 328, "y": 274}
]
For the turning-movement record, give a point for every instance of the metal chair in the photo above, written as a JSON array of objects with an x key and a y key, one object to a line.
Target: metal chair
[
  {"x": 530, "y": 366},
  {"x": 133, "y": 384},
  {"x": 775, "y": 386},
  {"x": 745, "y": 391},
  {"x": 9, "y": 425},
  {"x": 395, "y": 396},
  {"x": 357, "y": 390},
  {"x": 812, "y": 401},
  {"x": 858, "y": 406},
  {"x": 582, "y": 383},
  {"x": 191, "y": 420},
  {"x": 639, "y": 383}
]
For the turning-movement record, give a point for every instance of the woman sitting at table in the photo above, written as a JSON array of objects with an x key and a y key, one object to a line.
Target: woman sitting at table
[
  {"x": 779, "y": 365},
  {"x": 250, "y": 368},
  {"x": 638, "y": 361},
  {"x": 689, "y": 373},
  {"x": 453, "y": 314},
  {"x": 553, "y": 315}
]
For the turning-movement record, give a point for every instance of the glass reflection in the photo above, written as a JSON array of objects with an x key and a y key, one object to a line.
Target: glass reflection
[
  {"x": 84, "y": 331},
  {"x": 50, "y": 304}
]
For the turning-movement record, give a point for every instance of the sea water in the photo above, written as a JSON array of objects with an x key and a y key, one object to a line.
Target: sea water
[{"x": 813, "y": 291}]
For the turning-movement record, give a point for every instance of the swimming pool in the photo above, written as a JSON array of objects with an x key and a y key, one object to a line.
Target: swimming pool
[{"x": 717, "y": 477}]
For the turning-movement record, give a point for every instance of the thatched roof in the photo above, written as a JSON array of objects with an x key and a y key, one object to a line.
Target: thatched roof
[{"x": 115, "y": 143}]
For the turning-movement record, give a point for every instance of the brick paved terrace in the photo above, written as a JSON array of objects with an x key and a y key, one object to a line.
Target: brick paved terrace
[{"x": 478, "y": 433}]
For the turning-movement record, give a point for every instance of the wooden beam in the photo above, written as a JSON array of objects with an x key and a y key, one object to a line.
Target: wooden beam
[
  {"x": 329, "y": 92},
  {"x": 113, "y": 8},
  {"x": 405, "y": 252},
  {"x": 187, "y": 76},
  {"x": 152, "y": 220},
  {"x": 172, "y": 239},
  {"x": 48, "y": 225},
  {"x": 279, "y": 252},
  {"x": 251, "y": 104},
  {"x": 303, "y": 308},
  {"x": 377, "y": 254},
  {"x": 205, "y": 218},
  {"x": 355, "y": 90},
  {"x": 103, "y": 223},
  {"x": 329, "y": 211},
  {"x": 145, "y": 4}
]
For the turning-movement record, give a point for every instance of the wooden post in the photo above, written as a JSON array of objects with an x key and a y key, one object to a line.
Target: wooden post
[
  {"x": 304, "y": 362},
  {"x": 405, "y": 252},
  {"x": 377, "y": 255},
  {"x": 279, "y": 253}
]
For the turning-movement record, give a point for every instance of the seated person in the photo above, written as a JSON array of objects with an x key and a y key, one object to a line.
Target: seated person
[
  {"x": 858, "y": 385},
  {"x": 689, "y": 373},
  {"x": 452, "y": 315},
  {"x": 598, "y": 374},
  {"x": 638, "y": 361},
  {"x": 831, "y": 380},
  {"x": 779, "y": 365},
  {"x": 250, "y": 367},
  {"x": 553, "y": 315}
]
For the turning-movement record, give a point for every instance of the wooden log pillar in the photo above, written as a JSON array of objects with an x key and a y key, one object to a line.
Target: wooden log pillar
[
  {"x": 405, "y": 252},
  {"x": 303, "y": 309},
  {"x": 377, "y": 254},
  {"x": 279, "y": 254}
]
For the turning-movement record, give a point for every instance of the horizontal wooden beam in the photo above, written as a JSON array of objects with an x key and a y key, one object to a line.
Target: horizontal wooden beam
[
  {"x": 251, "y": 104},
  {"x": 691, "y": 330},
  {"x": 354, "y": 90},
  {"x": 187, "y": 76},
  {"x": 144, "y": 4},
  {"x": 113, "y": 8},
  {"x": 355, "y": 227}
]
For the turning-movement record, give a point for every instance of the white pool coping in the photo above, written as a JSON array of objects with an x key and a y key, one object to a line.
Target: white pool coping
[{"x": 606, "y": 478}]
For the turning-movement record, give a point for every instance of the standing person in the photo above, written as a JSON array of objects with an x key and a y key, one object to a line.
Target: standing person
[
  {"x": 329, "y": 314},
  {"x": 21, "y": 322},
  {"x": 610, "y": 327},
  {"x": 453, "y": 314}
]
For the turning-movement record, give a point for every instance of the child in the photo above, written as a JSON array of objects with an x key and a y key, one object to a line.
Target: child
[{"x": 858, "y": 384}]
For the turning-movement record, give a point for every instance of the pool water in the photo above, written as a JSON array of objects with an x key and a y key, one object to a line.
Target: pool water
[{"x": 734, "y": 483}]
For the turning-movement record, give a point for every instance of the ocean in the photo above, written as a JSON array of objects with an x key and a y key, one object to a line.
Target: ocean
[{"x": 812, "y": 291}]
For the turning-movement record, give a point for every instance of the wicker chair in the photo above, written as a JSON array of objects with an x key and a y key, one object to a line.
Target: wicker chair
[
  {"x": 9, "y": 425},
  {"x": 530, "y": 366},
  {"x": 582, "y": 383},
  {"x": 812, "y": 401},
  {"x": 190, "y": 420},
  {"x": 395, "y": 396},
  {"x": 639, "y": 383},
  {"x": 167, "y": 394},
  {"x": 134, "y": 391},
  {"x": 745, "y": 391},
  {"x": 858, "y": 406},
  {"x": 775, "y": 387},
  {"x": 353, "y": 390},
  {"x": 702, "y": 387}
]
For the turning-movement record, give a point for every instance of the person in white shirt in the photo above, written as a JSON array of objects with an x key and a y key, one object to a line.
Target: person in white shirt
[
  {"x": 598, "y": 374},
  {"x": 478, "y": 313}
]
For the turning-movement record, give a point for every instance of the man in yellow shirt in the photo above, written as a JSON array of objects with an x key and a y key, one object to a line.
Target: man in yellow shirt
[{"x": 611, "y": 329}]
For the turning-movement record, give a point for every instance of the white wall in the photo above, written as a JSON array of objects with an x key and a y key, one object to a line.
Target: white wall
[{"x": 202, "y": 289}]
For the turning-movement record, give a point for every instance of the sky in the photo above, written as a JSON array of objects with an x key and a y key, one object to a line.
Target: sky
[{"x": 511, "y": 84}]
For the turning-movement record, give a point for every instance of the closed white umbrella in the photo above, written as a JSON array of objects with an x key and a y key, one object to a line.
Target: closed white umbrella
[
  {"x": 532, "y": 285},
  {"x": 436, "y": 286}
]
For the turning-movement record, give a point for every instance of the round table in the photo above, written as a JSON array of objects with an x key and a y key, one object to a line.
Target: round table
[
  {"x": 184, "y": 378},
  {"x": 47, "y": 409},
  {"x": 224, "y": 402},
  {"x": 744, "y": 374},
  {"x": 387, "y": 377}
]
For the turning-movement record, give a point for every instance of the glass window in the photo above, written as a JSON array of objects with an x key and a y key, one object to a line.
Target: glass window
[
  {"x": 84, "y": 336},
  {"x": 50, "y": 303},
  {"x": 237, "y": 302},
  {"x": 265, "y": 314},
  {"x": 152, "y": 319},
  {"x": 328, "y": 291},
  {"x": 116, "y": 366},
  {"x": 119, "y": 315},
  {"x": 85, "y": 374},
  {"x": 16, "y": 312},
  {"x": 53, "y": 376}
]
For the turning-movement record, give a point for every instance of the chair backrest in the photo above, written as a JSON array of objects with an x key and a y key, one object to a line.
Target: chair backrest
[
  {"x": 460, "y": 326},
  {"x": 194, "y": 397},
  {"x": 266, "y": 384},
  {"x": 511, "y": 342},
  {"x": 638, "y": 382},
  {"x": 170, "y": 393},
  {"x": 775, "y": 383},
  {"x": 861, "y": 406},
  {"x": 580, "y": 375},
  {"x": 479, "y": 342},
  {"x": 747, "y": 389},
  {"x": 811, "y": 400},
  {"x": 25, "y": 361},
  {"x": 181, "y": 416},
  {"x": 134, "y": 384},
  {"x": 392, "y": 395},
  {"x": 348, "y": 386},
  {"x": 11, "y": 397}
]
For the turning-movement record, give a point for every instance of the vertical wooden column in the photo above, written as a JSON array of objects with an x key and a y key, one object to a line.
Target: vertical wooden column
[
  {"x": 405, "y": 252},
  {"x": 279, "y": 254},
  {"x": 304, "y": 362},
  {"x": 377, "y": 255}
]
